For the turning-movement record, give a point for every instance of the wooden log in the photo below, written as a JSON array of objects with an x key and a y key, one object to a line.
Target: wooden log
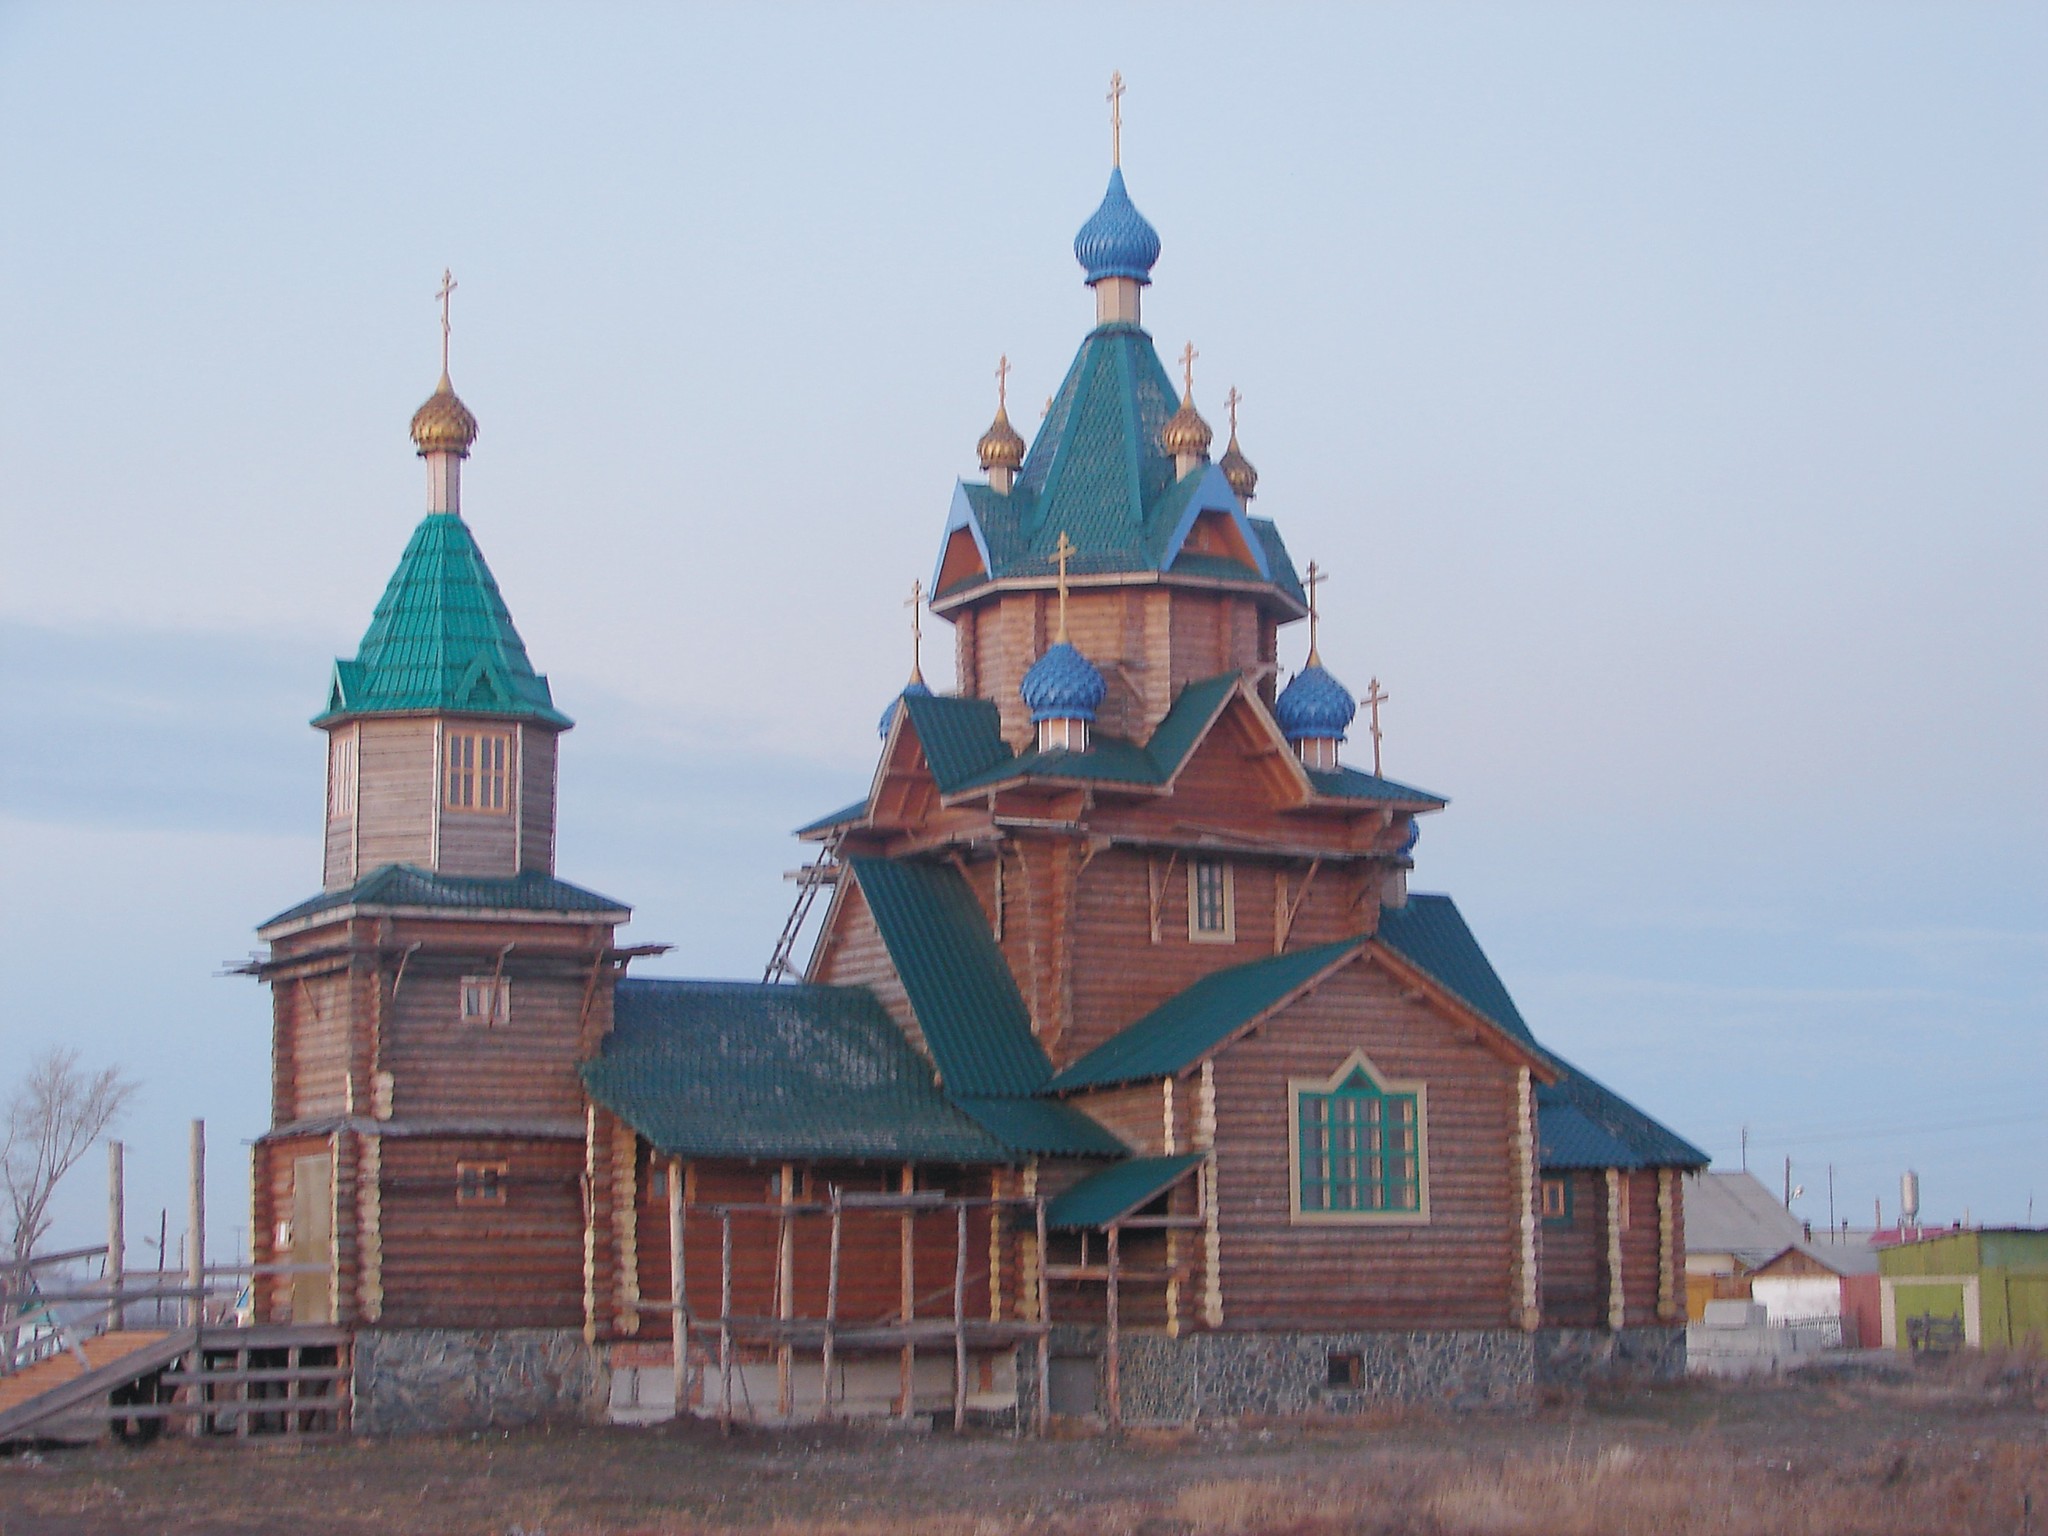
[
  {"x": 116, "y": 1234},
  {"x": 1114, "y": 1389},
  {"x": 195, "y": 1246},
  {"x": 960, "y": 1323},
  {"x": 785, "y": 1284},
  {"x": 1044, "y": 1413},
  {"x": 831, "y": 1313},
  {"x": 907, "y": 1277},
  {"x": 679, "y": 1334},
  {"x": 725, "y": 1323}
]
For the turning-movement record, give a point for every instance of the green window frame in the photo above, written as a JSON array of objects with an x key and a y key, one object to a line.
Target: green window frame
[{"x": 1360, "y": 1151}]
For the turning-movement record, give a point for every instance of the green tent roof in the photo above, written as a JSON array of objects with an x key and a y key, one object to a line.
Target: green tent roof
[
  {"x": 740, "y": 1069},
  {"x": 405, "y": 885},
  {"x": 441, "y": 639},
  {"x": 1190, "y": 1024},
  {"x": 1117, "y": 1190},
  {"x": 1097, "y": 473},
  {"x": 967, "y": 1004}
]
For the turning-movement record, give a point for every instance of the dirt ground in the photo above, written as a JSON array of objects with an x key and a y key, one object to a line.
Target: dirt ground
[{"x": 1956, "y": 1448}]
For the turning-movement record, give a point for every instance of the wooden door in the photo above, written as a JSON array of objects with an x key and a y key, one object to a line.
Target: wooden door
[{"x": 312, "y": 1238}]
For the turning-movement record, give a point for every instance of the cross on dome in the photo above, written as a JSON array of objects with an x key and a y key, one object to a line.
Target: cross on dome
[
  {"x": 1188, "y": 354},
  {"x": 1116, "y": 117},
  {"x": 1063, "y": 552},
  {"x": 915, "y": 603},
  {"x": 1230, "y": 404},
  {"x": 1372, "y": 701},
  {"x": 1315, "y": 578},
  {"x": 444, "y": 293}
]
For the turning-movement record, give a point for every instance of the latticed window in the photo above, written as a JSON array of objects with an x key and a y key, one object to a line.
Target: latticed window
[
  {"x": 1359, "y": 1149},
  {"x": 478, "y": 768},
  {"x": 1210, "y": 909},
  {"x": 480, "y": 1183}
]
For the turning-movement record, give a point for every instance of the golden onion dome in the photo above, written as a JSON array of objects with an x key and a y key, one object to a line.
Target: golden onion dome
[
  {"x": 1237, "y": 469},
  {"x": 444, "y": 424},
  {"x": 1185, "y": 432},
  {"x": 1000, "y": 446}
]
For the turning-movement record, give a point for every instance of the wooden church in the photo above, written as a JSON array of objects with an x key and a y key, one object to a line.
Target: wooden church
[{"x": 1127, "y": 1076}]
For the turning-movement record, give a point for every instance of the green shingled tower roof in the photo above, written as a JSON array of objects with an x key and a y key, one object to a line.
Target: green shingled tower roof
[{"x": 441, "y": 639}]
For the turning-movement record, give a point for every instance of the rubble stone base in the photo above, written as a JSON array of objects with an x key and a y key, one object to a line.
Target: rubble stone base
[
  {"x": 414, "y": 1380},
  {"x": 1169, "y": 1380}
]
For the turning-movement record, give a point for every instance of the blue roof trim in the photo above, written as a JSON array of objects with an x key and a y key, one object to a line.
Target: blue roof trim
[{"x": 1212, "y": 493}]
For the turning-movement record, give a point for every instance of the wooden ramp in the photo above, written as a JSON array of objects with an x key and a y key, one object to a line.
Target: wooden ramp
[
  {"x": 55, "y": 1388},
  {"x": 266, "y": 1381}
]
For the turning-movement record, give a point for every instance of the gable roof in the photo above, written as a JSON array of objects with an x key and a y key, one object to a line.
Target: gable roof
[
  {"x": 1097, "y": 472},
  {"x": 967, "y": 1004},
  {"x": 1191, "y": 1024},
  {"x": 1112, "y": 1193},
  {"x": 1580, "y": 1122},
  {"x": 405, "y": 885},
  {"x": 962, "y": 738},
  {"x": 441, "y": 639},
  {"x": 1111, "y": 759},
  {"x": 741, "y": 1069},
  {"x": 1734, "y": 1213}
]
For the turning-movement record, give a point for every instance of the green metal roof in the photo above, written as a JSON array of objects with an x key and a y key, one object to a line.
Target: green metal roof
[
  {"x": 961, "y": 738},
  {"x": 1188, "y": 1025},
  {"x": 1097, "y": 473},
  {"x": 404, "y": 885},
  {"x": 967, "y": 1004},
  {"x": 1116, "y": 1191},
  {"x": 1430, "y": 933},
  {"x": 1113, "y": 760},
  {"x": 738, "y": 1069},
  {"x": 1578, "y": 1118},
  {"x": 441, "y": 639},
  {"x": 1049, "y": 1127},
  {"x": 838, "y": 818},
  {"x": 1350, "y": 784},
  {"x": 1575, "y": 1102}
]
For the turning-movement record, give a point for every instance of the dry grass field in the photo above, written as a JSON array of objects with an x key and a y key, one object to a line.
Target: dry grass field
[{"x": 1960, "y": 1448}]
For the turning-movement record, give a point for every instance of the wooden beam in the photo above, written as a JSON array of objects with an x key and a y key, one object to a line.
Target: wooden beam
[
  {"x": 785, "y": 1284},
  {"x": 831, "y": 1312},
  {"x": 960, "y": 1321},
  {"x": 678, "y": 1292},
  {"x": 725, "y": 1322},
  {"x": 1111, "y": 1365},
  {"x": 1616, "y": 1301},
  {"x": 907, "y": 1293}
]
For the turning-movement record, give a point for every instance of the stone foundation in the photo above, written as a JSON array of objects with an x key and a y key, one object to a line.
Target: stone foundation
[
  {"x": 415, "y": 1380},
  {"x": 1234, "y": 1375}
]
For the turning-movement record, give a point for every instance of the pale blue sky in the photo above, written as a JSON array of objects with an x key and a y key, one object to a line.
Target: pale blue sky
[{"x": 1663, "y": 386}]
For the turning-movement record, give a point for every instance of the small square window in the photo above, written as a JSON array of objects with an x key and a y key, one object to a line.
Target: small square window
[
  {"x": 1347, "y": 1371},
  {"x": 486, "y": 1000},
  {"x": 1557, "y": 1202},
  {"x": 1212, "y": 908},
  {"x": 477, "y": 771},
  {"x": 480, "y": 1183}
]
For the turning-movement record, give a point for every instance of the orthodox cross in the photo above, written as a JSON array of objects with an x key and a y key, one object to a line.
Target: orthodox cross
[
  {"x": 1063, "y": 552},
  {"x": 1372, "y": 701},
  {"x": 1116, "y": 117},
  {"x": 915, "y": 603},
  {"x": 1231, "y": 402},
  {"x": 1315, "y": 578},
  {"x": 1003, "y": 382},
  {"x": 1188, "y": 354},
  {"x": 444, "y": 293}
]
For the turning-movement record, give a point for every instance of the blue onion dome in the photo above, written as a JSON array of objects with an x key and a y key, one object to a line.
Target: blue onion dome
[
  {"x": 1063, "y": 685},
  {"x": 1116, "y": 241},
  {"x": 1314, "y": 706},
  {"x": 915, "y": 686}
]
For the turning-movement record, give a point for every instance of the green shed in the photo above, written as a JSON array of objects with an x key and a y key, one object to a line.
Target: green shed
[{"x": 1992, "y": 1281}]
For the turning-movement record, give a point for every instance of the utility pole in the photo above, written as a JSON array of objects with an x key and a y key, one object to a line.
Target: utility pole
[
  {"x": 1788, "y": 1183},
  {"x": 1745, "y": 1149},
  {"x": 1831, "y": 1199}
]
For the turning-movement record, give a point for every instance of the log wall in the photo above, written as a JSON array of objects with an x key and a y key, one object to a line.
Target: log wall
[{"x": 1455, "y": 1270}]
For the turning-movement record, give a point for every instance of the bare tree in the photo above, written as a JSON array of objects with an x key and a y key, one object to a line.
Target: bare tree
[{"x": 55, "y": 1116}]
